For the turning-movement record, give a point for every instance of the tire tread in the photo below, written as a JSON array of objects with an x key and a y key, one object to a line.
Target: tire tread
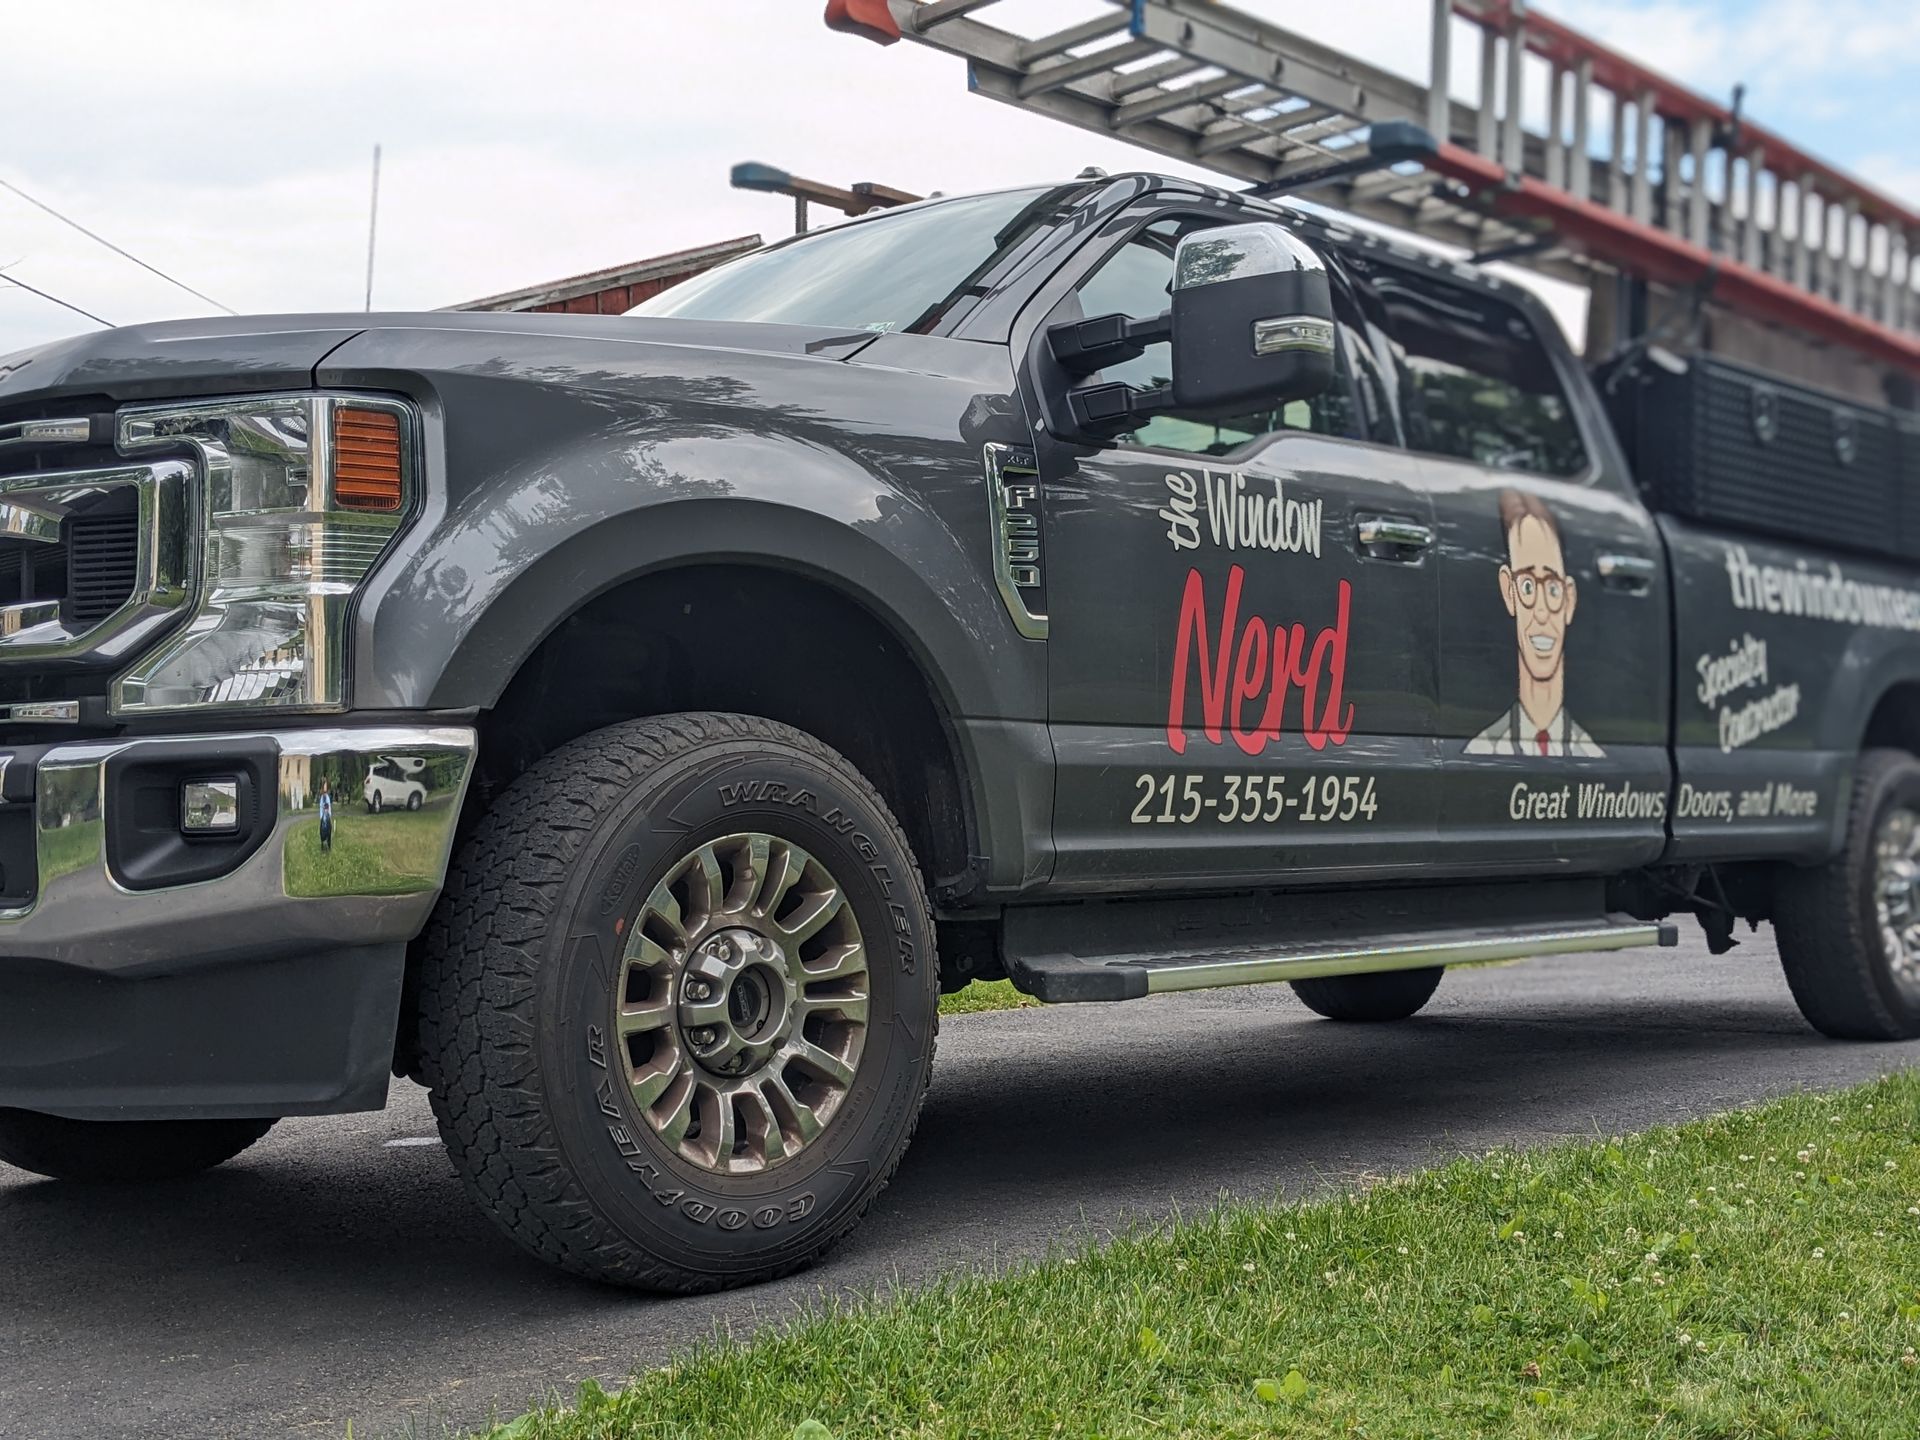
[{"x": 477, "y": 989}]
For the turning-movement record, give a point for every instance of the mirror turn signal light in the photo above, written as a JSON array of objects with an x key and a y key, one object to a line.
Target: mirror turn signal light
[{"x": 366, "y": 459}]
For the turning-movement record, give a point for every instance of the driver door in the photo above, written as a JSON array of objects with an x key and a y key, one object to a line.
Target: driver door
[{"x": 1243, "y": 682}]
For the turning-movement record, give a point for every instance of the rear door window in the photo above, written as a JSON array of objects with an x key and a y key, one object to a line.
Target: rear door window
[{"x": 1477, "y": 383}]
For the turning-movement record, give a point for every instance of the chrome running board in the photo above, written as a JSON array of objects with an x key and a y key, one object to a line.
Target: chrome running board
[{"x": 1058, "y": 962}]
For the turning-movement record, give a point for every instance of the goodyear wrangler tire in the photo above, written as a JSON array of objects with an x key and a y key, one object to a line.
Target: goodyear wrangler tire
[
  {"x": 1849, "y": 930},
  {"x": 1388, "y": 995},
  {"x": 678, "y": 1004}
]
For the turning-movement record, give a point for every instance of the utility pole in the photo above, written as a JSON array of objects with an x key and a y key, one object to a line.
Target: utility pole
[{"x": 373, "y": 223}]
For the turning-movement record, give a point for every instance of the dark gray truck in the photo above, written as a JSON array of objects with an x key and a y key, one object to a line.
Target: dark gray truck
[{"x": 628, "y": 726}]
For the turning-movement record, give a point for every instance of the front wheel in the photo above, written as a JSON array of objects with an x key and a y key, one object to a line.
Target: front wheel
[
  {"x": 1388, "y": 995},
  {"x": 108, "y": 1151},
  {"x": 1849, "y": 930},
  {"x": 678, "y": 1005}
]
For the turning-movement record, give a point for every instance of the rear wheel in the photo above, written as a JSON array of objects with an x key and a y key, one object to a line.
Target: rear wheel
[
  {"x": 105, "y": 1151},
  {"x": 1849, "y": 930},
  {"x": 679, "y": 1003},
  {"x": 1389, "y": 995}
]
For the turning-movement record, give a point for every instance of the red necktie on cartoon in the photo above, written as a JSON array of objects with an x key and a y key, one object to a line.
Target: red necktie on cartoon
[{"x": 1540, "y": 739}]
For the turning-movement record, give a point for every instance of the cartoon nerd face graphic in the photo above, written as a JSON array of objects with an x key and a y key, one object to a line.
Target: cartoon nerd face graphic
[
  {"x": 1540, "y": 596},
  {"x": 1537, "y": 590}
]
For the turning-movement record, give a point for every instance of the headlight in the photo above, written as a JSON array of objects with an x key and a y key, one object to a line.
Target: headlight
[{"x": 300, "y": 495}]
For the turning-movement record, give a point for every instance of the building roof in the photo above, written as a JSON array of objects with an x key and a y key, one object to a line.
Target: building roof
[{"x": 611, "y": 291}]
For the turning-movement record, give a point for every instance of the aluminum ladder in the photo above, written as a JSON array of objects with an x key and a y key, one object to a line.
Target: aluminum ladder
[{"x": 1621, "y": 170}]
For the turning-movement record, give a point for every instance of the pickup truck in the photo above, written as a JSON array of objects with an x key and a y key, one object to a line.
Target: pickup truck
[{"x": 1122, "y": 586}]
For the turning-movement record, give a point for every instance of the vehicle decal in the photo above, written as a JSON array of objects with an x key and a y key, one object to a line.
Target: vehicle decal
[
  {"x": 1590, "y": 800},
  {"x": 1254, "y": 660},
  {"x": 1239, "y": 516},
  {"x": 1540, "y": 597},
  {"x": 1744, "y": 667},
  {"x": 1819, "y": 595},
  {"x": 1775, "y": 799}
]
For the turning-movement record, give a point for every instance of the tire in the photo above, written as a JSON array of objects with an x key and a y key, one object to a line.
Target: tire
[
  {"x": 1387, "y": 995},
  {"x": 561, "y": 1127},
  {"x": 109, "y": 1151},
  {"x": 1853, "y": 978},
  {"x": 373, "y": 805},
  {"x": 413, "y": 800}
]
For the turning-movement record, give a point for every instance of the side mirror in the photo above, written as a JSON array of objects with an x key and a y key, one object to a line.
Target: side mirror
[{"x": 1252, "y": 320}]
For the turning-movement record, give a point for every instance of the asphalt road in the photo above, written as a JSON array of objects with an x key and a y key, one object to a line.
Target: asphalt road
[{"x": 336, "y": 1271}]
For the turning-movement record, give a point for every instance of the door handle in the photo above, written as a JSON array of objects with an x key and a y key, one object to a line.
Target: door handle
[
  {"x": 1631, "y": 573},
  {"x": 1383, "y": 536}
]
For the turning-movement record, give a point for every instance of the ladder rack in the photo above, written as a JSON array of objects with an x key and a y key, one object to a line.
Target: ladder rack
[{"x": 1621, "y": 171}]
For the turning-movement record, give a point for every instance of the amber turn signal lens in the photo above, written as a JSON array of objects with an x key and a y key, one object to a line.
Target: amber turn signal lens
[{"x": 366, "y": 459}]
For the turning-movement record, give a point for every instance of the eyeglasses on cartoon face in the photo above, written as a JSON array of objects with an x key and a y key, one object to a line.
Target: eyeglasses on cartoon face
[{"x": 1528, "y": 583}]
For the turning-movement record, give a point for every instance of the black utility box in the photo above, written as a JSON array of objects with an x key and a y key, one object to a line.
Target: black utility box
[{"x": 1732, "y": 446}]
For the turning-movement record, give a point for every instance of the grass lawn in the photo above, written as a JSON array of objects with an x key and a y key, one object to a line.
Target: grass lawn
[
  {"x": 393, "y": 853},
  {"x": 985, "y": 995},
  {"x": 1754, "y": 1274}
]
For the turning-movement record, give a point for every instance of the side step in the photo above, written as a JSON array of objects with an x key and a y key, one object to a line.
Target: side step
[{"x": 1046, "y": 963}]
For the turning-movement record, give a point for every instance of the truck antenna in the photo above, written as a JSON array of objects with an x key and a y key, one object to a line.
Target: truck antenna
[{"x": 373, "y": 223}]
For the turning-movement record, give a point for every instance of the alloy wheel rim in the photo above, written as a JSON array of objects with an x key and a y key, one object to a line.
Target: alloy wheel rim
[
  {"x": 741, "y": 1004},
  {"x": 1896, "y": 893}
]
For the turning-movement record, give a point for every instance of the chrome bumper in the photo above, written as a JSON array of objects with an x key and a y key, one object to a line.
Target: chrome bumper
[{"x": 373, "y": 885}]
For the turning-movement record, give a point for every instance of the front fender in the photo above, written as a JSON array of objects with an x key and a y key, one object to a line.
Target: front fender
[{"x": 568, "y": 454}]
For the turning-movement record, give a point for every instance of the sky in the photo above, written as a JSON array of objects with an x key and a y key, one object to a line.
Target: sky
[{"x": 228, "y": 142}]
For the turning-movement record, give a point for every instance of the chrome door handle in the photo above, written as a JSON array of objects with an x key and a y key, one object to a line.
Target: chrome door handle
[
  {"x": 1631, "y": 573},
  {"x": 1372, "y": 530}
]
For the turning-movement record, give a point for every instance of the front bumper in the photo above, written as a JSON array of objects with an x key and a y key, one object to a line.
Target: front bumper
[{"x": 272, "y": 988}]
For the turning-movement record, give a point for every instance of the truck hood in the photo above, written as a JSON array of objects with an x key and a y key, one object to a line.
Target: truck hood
[
  {"x": 177, "y": 357},
  {"x": 248, "y": 354}
]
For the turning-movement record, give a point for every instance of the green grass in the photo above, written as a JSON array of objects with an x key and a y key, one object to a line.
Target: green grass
[
  {"x": 985, "y": 995},
  {"x": 1755, "y": 1274},
  {"x": 395, "y": 852}
]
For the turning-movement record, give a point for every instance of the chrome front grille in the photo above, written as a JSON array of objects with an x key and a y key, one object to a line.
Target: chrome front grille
[{"x": 92, "y": 562}]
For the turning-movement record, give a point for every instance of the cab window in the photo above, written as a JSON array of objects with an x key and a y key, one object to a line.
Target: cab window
[
  {"x": 1136, "y": 281},
  {"x": 1477, "y": 384}
]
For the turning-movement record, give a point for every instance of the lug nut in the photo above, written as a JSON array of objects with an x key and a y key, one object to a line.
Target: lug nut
[
  {"x": 698, "y": 990},
  {"x": 702, "y": 1036}
]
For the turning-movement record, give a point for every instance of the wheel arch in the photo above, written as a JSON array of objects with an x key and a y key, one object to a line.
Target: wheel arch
[{"x": 760, "y": 635}]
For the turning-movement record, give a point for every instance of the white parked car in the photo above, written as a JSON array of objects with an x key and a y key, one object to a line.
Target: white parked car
[{"x": 391, "y": 784}]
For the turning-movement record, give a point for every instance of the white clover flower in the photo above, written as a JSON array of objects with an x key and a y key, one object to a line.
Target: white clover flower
[
  {"x": 1403, "y": 1249},
  {"x": 1818, "y": 1253}
]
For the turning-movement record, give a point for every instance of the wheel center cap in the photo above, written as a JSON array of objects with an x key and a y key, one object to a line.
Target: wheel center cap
[{"x": 736, "y": 1002}]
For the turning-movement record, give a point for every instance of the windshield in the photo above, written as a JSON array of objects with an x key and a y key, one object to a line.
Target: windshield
[{"x": 900, "y": 271}]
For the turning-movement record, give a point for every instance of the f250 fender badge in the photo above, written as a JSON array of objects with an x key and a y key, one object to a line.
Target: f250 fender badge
[{"x": 1014, "y": 500}]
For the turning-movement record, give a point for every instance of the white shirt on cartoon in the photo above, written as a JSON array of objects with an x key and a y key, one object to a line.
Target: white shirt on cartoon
[{"x": 1514, "y": 734}]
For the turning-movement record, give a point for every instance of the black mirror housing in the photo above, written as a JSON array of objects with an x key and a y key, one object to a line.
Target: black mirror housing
[{"x": 1252, "y": 320}]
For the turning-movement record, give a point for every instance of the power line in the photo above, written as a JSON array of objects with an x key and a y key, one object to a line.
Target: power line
[
  {"x": 67, "y": 304},
  {"x": 101, "y": 239}
]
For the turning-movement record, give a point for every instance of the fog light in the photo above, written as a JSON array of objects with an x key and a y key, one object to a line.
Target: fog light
[{"x": 209, "y": 807}]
